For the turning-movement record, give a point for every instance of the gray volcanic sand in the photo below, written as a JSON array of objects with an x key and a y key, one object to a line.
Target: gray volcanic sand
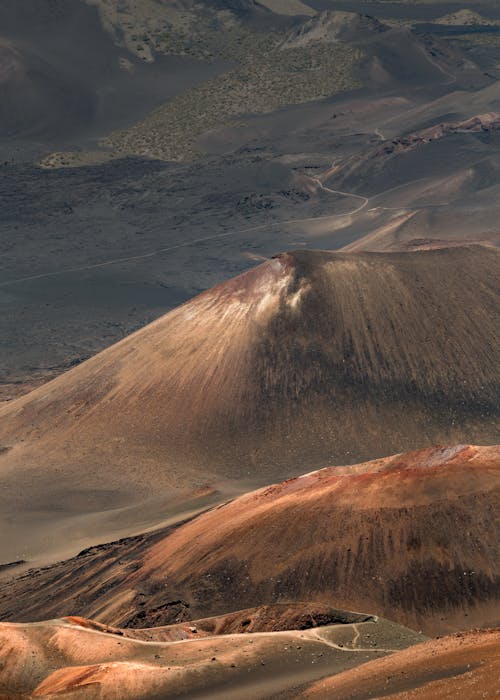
[
  {"x": 90, "y": 254},
  {"x": 63, "y": 81}
]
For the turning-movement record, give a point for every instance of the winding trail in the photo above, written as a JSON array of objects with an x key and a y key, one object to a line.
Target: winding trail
[
  {"x": 365, "y": 200},
  {"x": 186, "y": 244},
  {"x": 316, "y": 635},
  {"x": 143, "y": 256},
  {"x": 219, "y": 236},
  {"x": 356, "y": 637}
]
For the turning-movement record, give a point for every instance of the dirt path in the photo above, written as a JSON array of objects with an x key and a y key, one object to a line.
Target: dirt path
[
  {"x": 185, "y": 244},
  {"x": 365, "y": 200},
  {"x": 158, "y": 251},
  {"x": 315, "y": 634}
]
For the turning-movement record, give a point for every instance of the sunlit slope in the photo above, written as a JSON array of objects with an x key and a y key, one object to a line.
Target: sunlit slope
[
  {"x": 462, "y": 665},
  {"x": 312, "y": 358},
  {"x": 75, "y": 658},
  {"x": 413, "y": 537}
]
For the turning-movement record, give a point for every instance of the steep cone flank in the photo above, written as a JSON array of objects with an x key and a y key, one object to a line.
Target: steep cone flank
[
  {"x": 309, "y": 359},
  {"x": 414, "y": 538}
]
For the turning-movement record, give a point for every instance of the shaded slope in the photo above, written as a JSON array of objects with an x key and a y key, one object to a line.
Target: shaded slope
[
  {"x": 74, "y": 659},
  {"x": 37, "y": 98},
  {"x": 309, "y": 359},
  {"x": 54, "y": 59},
  {"x": 464, "y": 665},
  {"x": 414, "y": 537},
  {"x": 63, "y": 77}
]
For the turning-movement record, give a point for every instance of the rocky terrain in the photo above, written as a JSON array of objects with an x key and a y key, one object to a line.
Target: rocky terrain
[
  {"x": 76, "y": 658},
  {"x": 309, "y": 359},
  {"x": 443, "y": 668},
  {"x": 413, "y": 538},
  {"x": 196, "y": 497}
]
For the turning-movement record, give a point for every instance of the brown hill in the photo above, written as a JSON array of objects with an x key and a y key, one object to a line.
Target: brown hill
[
  {"x": 414, "y": 538},
  {"x": 312, "y": 358},
  {"x": 279, "y": 617},
  {"x": 444, "y": 142},
  {"x": 463, "y": 665},
  {"x": 78, "y": 658}
]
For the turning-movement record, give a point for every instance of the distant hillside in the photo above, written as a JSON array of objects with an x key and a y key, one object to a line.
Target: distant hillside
[
  {"x": 330, "y": 27},
  {"x": 150, "y": 27},
  {"x": 465, "y": 17},
  {"x": 64, "y": 75}
]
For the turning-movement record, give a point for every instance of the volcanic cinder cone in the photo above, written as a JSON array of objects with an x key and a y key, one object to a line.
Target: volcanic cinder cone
[
  {"x": 414, "y": 538},
  {"x": 312, "y": 358}
]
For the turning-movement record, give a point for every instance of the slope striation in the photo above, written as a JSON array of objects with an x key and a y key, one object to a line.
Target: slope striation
[
  {"x": 413, "y": 538},
  {"x": 311, "y": 358}
]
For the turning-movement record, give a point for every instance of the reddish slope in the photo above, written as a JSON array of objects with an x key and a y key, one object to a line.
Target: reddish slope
[
  {"x": 311, "y": 358},
  {"x": 414, "y": 538},
  {"x": 461, "y": 666},
  {"x": 70, "y": 658}
]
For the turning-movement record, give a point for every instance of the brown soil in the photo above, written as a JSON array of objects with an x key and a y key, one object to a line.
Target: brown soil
[
  {"x": 312, "y": 358},
  {"x": 464, "y": 665},
  {"x": 412, "y": 537},
  {"x": 82, "y": 659}
]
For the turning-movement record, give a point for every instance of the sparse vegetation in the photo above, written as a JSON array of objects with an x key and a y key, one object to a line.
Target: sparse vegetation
[
  {"x": 472, "y": 39},
  {"x": 262, "y": 75},
  {"x": 266, "y": 80},
  {"x": 149, "y": 27}
]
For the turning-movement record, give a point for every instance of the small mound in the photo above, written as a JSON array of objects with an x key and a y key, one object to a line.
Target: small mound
[
  {"x": 110, "y": 678},
  {"x": 331, "y": 27},
  {"x": 464, "y": 18},
  {"x": 278, "y": 617}
]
